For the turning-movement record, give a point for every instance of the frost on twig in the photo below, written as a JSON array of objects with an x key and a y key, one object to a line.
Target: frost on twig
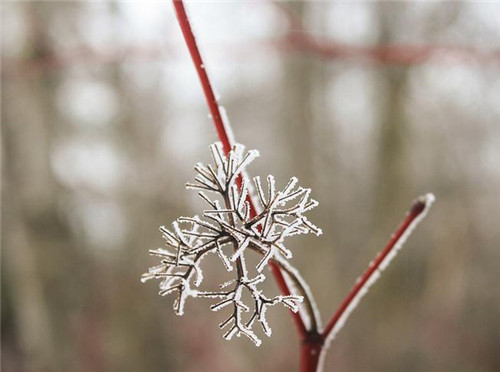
[{"x": 229, "y": 230}]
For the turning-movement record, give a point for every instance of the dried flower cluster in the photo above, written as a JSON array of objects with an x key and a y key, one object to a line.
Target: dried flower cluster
[{"x": 230, "y": 230}]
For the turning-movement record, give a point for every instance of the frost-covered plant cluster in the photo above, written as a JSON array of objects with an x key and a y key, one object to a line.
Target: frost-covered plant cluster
[{"x": 230, "y": 229}]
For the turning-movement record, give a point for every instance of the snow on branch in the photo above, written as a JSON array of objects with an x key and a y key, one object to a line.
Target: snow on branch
[
  {"x": 229, "y": 230},
  {"x": 417, "y": 213}
]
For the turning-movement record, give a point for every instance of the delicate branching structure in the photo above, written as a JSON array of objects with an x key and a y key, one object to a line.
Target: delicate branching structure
[
  {"x": 229, "y": 230},
  {"x": 236, "y": 225}
]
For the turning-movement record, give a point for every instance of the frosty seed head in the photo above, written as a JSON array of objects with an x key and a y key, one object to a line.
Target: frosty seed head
[{"x": 227, "y": 230}]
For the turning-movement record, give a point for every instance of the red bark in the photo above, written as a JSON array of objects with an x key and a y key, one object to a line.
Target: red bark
[
  {"x": 417, "y": 208},
  {"x": 222, "y": 130},
  {"x": 313, "y": 342}
]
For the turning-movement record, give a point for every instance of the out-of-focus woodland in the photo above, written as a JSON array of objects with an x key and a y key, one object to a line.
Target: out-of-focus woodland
[{"x": 369, "y": 103}]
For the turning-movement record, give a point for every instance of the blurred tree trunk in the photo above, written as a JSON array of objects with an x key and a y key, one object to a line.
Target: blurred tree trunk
[
  {"x": 391, "y": 197},
  {"x": 39, "y": 252},
  {"x": 28, "y": 182},
  {"x": 298, "y": 87},
  {"x": 392, "y": 191},
  {"x": 22, "y": 287},
  {"x": 138, "y": 129}
]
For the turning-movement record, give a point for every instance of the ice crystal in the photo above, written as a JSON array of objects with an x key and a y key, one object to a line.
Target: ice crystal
[{"x": 231, "y": 230}]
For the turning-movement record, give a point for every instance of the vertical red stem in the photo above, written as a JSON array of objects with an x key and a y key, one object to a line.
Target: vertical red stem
[
  {"x": 213, "y": 105},
  {"x": 312, "y": 342},
  {"x": 222, "y": 131},
  {"x": 310, "y": 353}
]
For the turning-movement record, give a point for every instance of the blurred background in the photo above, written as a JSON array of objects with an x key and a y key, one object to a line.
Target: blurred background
[{"x": 369, "y": 103}]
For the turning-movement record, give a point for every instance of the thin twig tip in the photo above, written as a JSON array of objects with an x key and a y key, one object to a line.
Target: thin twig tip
[{"x": 422, "y": 203}]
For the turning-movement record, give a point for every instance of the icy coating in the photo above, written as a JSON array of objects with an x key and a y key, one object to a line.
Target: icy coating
[
  {"x": 228, "y": 230},
  {"x": 427, "y": 201}
]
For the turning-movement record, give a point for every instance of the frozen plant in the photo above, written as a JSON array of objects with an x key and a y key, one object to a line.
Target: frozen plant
[
  {"x": 236, "y": 224},
  {"x": 230, "y": 229}
]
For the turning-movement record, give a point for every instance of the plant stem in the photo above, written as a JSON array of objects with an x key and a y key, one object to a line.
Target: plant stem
[
  {"x": 223, "y": 131},
  {"x": 414, "y": 215},
  {"x": 213, "y": 105},
  {"x": 316, "y": 344},
  {"x": 310, "y": 353},
  {"x": 313, "y": 342}
]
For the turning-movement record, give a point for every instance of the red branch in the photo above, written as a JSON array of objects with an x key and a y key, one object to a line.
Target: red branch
[
  {"x": 312, "y": 341},
  {"x": 222, "y": 131},
  {"x": 419, "y": 207},
  {"x": 293, "y": 40},
  {"x": 399, "y": 55},
  {"x": 328, "y": 50},
  {"x": 213, "y": 105},
  {"x": 386, "y": 54}
]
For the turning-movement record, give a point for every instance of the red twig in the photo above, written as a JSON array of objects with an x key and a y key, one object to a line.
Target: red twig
[
  {"x": 415, "y": 214},
  {"x": 213, "y": 105},
  {"x": 312, "y": 341},
  {"x": 293, "y": 40},
  {"x": 399, "y": 55},
  {"x": 83, "y": 55},
  {"x": 386, "y": 54},
  {"x": 328, "y": 50},
  {"x": 223, "y": 131}
]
